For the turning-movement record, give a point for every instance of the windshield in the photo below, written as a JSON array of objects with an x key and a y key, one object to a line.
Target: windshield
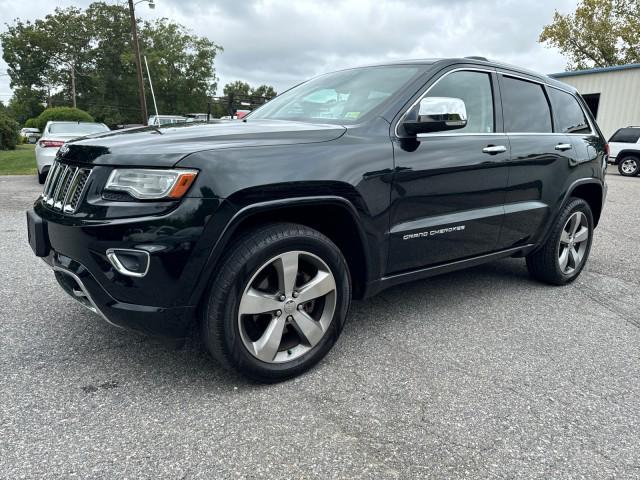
[
  {"x": 341, "y": 97},
  {"x": 81, "y": 128}
]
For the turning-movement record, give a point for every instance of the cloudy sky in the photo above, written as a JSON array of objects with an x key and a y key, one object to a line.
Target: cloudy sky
[{"x": 281, "y": 42}]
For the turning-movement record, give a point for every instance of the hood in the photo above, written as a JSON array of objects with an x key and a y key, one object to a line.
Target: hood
[{"x": 165, "y": 146}]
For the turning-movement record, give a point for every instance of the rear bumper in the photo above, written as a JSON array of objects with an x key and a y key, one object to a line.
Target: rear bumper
[
  {"x": 45, "y": 157},
  {"x": 78, "y": 282}
]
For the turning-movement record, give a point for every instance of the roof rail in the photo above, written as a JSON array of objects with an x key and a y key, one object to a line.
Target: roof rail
[{"x": 476, "y": 57}]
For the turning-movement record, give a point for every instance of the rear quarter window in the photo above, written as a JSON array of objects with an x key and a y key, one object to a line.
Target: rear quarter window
[{"x": 567, "y": 113}]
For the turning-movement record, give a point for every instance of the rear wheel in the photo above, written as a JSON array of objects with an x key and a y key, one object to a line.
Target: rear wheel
[
  {"x": 42, "y": 177},
  {"x": 563, "y": 256},
  {"x": 279, "y": 302},
  {"x": 629, "y": 166}
]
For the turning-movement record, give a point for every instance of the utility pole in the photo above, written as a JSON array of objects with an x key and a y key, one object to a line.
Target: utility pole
[
  {"x": 230, "y": 106},
  {"x": 73, "y": 84},
  {"x": 138, "y": 60}
]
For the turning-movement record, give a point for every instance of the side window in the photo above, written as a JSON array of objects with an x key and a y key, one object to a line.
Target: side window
[
  {"x": 474, "y": 88},
  {"x": 525, "y": 107},
  {"x": 626, "y": 135},
  {"x": 567, "y": 113}
]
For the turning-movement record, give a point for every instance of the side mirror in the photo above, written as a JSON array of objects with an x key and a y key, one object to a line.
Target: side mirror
[{"x": 436, "y": 114}]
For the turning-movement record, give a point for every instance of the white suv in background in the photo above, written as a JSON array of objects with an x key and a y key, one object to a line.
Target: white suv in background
[
  {"x": 54, "y": 135},
  {"x": 624, "y": 146}
]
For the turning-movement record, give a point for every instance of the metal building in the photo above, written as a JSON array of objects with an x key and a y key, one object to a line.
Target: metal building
[{"x": 612, "y": 93}]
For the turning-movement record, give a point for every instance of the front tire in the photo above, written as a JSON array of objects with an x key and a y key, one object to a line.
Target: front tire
[
  {"x": 563, "y": 256},
  {"x": 278, "y": 303},
  {"x": 629, "y": 166}
]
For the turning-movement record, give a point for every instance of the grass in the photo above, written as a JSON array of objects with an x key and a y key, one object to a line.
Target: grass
[{"x": 21, "y": 161}]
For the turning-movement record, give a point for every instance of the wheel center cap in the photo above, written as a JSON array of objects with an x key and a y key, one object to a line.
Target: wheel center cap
[{"x": 290, "y": 306}]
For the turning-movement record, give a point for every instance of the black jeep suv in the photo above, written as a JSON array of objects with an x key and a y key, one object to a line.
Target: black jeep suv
[{"x": 260, "y": 232}]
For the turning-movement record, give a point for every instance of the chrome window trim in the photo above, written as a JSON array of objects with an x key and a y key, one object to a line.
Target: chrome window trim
[
  {"x": 462, "y": 69},
  {"x": 545, "y": 84},
  {"x": 497, "y": 71},
  {"x": 436, "y": 134}
]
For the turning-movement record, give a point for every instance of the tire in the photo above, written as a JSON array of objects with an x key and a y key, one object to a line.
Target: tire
[
  {"x": 257, "y": 267},
  {"x": 546, "y": 264},
  {"x": 42, "y": 177},
  {"x": 629, "y": 166}
]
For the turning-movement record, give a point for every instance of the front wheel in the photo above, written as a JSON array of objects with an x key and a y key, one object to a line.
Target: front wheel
[
  {"x": 629, "y": 166},
  {"x": 278, "y": 303},
  {"x": 563, "y": 256}
]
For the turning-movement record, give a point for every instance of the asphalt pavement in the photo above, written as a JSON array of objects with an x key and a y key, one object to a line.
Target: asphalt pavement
[{"x": 482, "y": 374}]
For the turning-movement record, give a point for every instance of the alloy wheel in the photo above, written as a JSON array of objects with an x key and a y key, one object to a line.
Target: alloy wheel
[
  {"x": 287, "y": 307},
  {"x": 629, "y": 166},
  {"x": 573, "y": 242}
]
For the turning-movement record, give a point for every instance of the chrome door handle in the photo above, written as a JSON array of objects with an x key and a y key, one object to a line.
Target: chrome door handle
[
  {"x": 563, "y": 146},
  {"x": 493, "y": 149}
]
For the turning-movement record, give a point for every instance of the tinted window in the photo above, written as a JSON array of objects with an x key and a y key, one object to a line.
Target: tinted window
[
  {"x": 525, "y": 107},
  {"x": 474, "y": 88},
  {"x": 626, "y": 135},
  {"x": 567, "y": 113}
]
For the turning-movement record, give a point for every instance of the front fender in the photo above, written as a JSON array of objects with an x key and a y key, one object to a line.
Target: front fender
[{"x": 234, "y": 218}]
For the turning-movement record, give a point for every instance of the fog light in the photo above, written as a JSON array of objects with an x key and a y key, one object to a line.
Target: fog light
[{"x": 133, "y": 263}]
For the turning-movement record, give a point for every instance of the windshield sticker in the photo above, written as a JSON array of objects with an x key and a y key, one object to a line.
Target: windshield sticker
[{"x": 352, "y": 115}]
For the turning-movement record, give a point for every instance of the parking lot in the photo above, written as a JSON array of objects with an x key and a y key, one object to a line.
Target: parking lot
[{"x": 477, "y": 374}]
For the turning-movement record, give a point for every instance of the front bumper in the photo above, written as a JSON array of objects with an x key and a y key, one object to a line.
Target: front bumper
[
  {"x": 78, "y": 282},
  {"x": 158, "y": 303}
]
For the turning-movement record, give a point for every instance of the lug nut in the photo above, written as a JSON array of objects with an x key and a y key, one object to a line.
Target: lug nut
[
  {"x": 300, "y": 307},
  {"x": 295, "y": 294},
  {"x": 289, "y": 318},
  {"x": 282, "y": 298},
  {"x": 278, "y": 313}
]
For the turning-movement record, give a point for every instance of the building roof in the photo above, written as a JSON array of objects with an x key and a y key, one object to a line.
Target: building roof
[{"x": 590, "y": 71}]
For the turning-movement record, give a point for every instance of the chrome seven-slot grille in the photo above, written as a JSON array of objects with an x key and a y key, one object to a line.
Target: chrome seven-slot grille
[{"x": 64, "y": 186}]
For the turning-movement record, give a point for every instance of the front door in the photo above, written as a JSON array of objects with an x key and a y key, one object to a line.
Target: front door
[{"x": 448, "y": 189}]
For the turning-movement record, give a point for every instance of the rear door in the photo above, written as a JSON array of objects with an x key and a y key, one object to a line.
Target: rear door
[
  {"x": 540, "y": 159},
  {"x": 570, "y": 118},
  {"x": 448, "y": 189}
]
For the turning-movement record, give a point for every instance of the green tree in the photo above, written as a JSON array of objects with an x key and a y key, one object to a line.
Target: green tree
[
  {"x": 237, "y": 89},
  {"x": 8, "y": 132},
  {"x": 181, "y": 66},
  {"x": 600, "y": 33},
  {"x": 26, "y": 103},
  {"x": 91, "y": 50},
  {"x": 240, "y": 95},
  {"x": 265, "y": 91}
]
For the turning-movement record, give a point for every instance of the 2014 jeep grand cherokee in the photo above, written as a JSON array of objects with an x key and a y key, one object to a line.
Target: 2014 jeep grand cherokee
[{"x": 260, "y": 232}]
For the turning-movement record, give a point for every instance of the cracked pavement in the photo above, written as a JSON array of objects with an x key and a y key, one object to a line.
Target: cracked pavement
[{"x": 482, "y": 373}]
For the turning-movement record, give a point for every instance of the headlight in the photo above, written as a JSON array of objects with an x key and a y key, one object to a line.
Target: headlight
[{"x": 148, "y": 184}]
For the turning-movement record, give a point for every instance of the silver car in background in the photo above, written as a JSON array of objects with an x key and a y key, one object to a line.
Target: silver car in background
[
  {"x": 30, "y": 135},
  {"x": 53, "y": 137}
]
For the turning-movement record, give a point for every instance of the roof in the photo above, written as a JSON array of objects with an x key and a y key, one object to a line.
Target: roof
[{"x": 590, "y": 71}]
